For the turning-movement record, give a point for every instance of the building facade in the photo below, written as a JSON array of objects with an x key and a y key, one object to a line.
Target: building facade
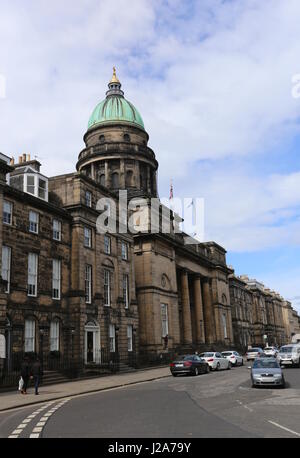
[
  {"x": 260, "y": 316},
  {"x": 73, "y": 289}
]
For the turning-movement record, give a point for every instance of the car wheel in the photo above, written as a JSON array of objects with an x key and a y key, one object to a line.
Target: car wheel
[
  {"x": 218, "y": 367},
  {"x": 196, "y": 371}
]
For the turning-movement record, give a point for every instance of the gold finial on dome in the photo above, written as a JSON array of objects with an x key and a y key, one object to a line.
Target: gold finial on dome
[{"x": 114, "y": 77}]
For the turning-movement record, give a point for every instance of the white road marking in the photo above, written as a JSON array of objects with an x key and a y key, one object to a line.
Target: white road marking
[
  {"x": 283, "y": 427},
  {"x": 245, "y": 407},
  {"x": 37, "y": 430},
  {"x": 15, "y": 434},
  {"x": 248, "y": 408}
]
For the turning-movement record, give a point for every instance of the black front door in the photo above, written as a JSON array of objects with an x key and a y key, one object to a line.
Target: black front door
[{"x": 90, "y": 347}]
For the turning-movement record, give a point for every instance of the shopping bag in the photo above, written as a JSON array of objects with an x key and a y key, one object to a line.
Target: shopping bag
[{"x": 21, "y": 383}]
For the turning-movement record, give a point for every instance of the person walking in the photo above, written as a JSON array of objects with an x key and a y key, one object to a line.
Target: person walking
[
  {"x": 37, "y": 374},
  {"x": 25, "y": 374}
]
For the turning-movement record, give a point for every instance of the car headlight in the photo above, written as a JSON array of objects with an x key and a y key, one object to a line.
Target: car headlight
[
  {"x": 256, "y": 375},
  {"x": 277, "y": 375}
]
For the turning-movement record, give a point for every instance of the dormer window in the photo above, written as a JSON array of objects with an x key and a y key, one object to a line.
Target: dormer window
[
  {"x": 126, "y": 138},
  {"x": 102, "y": 138},
  {"x": 30, "y": 184},
  {"x": 42, "y": 188},
  {"x": 28, "y": 180}
]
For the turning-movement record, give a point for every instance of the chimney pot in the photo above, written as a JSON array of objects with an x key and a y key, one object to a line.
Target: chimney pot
[
  {"x": 20, "y": 160},
  {"x": 24, "y": 157},
  {"x": 12, "y": 161},
  {"x": 28, "y": 157}
]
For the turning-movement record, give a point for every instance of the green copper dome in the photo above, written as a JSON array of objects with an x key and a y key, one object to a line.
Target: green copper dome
[{"x": 115, "y": 108}]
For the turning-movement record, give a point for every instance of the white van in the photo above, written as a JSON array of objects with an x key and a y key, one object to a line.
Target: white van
[{"x": 289, "y": 355}]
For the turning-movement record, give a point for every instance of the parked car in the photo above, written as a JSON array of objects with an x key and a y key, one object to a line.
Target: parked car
[
  {"x": 271, "y": 351},
  {"x": 234, "y": 357},
  {"x": 216, "y": 360},
  {"x": 254, "y": 353},
  {"x": 289, "y": 355},
  {"x": 189, "y": 364},
  {"x": 267, "y": 371}
]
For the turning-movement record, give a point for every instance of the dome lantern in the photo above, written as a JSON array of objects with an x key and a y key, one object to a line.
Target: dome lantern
[
  {"x": 115, "y": 108},
  {"x": 114, "y": 86}
]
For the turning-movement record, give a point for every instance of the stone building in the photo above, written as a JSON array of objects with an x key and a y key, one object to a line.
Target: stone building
[
  {"x": 260, "y": 316},
  {"x": 70, "y": 288},
  {"x": 291, "y": 322}
]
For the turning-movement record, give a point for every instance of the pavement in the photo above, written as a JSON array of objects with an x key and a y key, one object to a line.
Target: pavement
[{"x": 13, "y": 400}]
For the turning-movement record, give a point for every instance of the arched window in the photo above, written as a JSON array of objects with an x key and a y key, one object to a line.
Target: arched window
[
  {"x": 115, "y": 180},
  {"x": 129, "y": 177},
  {"x": 126, "y": 138},
  {"x": 102, "y": 138}
]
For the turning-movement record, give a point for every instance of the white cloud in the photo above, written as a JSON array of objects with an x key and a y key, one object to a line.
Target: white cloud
[{"x": 212, "y": 80}]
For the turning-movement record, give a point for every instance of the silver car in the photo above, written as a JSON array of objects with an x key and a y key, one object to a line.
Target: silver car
[
  {"x": 270, "y": 351},
  {"x": 289, "y": 355},
  {"x": 254, "y": 353},
  {"x": 267, "y": 371}
]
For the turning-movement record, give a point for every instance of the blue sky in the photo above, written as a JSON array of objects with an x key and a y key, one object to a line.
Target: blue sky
[{"x": 213, "y": 82}]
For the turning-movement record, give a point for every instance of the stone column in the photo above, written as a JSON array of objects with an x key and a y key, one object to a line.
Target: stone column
[
  {"x": 209, "y": 322},
  {"x": 93, "y": 171},
  {"x": 122, "y": 174},
  {"x": 107, "y": 178},
  {"x": 200, "y": 333},
  {"x": 148, "y": 180},
  {"x": 137, "y": 181},
  {"x": 186, "y": 310}
]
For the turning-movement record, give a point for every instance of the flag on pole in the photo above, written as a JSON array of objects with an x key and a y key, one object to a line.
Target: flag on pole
[{"x": 171, "y": 191}]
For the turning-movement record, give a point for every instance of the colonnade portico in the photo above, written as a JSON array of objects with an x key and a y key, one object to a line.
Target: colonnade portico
[{"x": 187, "y": 337}]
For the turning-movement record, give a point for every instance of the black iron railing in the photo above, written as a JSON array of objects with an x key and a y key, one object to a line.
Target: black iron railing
[{"x": 98, "y": 363}]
